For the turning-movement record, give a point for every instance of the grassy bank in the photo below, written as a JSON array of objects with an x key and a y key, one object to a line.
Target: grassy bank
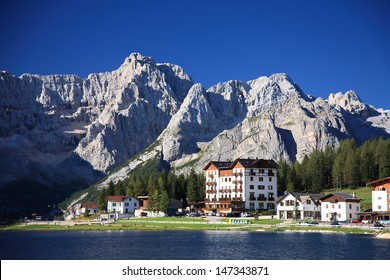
[{"x": 162, "y": 224}]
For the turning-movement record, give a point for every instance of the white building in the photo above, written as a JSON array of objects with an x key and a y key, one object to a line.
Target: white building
[
  {"x": 380, "y": 195},
  {"x": 294, "y": 205},
  {"x": 122, "y": 204},
  {"x": 79, "y": 209},
  {"x": 340, "y": 207},
  {"x": 244, "y": 184}
]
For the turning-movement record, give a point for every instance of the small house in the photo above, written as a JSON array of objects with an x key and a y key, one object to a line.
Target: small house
[
  {"x": 295, "y": 205},
  {"x": 340, "y": 207}
]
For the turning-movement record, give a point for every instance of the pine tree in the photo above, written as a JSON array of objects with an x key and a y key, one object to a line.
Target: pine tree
[
  {"x": 153, "y": 201},
  {"x": 110, "y": 189},
  {"x": 103, "y": 200},
  {"x": 163, "y": 201}
]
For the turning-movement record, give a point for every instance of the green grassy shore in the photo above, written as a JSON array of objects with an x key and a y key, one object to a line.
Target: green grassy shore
[{"x": 163, "y": 224}]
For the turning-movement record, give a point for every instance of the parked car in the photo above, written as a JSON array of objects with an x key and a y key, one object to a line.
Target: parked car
[
  {"x": 335, "y": 224},
  {"x": 193, "y": 214},
  {"x": 313, "y": 223},
  {"x": 377, "y": 226}
]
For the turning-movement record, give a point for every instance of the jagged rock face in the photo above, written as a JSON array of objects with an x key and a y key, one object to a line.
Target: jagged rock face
[
  {"x": 61, "y": 128},
  {"x": 58, "y": 122},
  {"x": 349, "y": 101},
  {"x": 269, "y": 117}
]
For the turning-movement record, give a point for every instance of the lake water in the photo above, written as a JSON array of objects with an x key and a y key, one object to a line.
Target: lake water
[{"x": 188, "y": 245}]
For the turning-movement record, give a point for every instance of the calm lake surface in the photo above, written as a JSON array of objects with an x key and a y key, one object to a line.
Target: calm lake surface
[{"x": 189, "y": 245}]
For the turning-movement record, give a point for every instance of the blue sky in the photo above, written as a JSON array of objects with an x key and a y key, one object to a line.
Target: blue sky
[{"x": 325, "y": 46}]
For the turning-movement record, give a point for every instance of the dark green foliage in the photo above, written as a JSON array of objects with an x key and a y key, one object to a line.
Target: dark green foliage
[
  {"x": 159, "y": 187},
  {"x": 346, "y": 166}
]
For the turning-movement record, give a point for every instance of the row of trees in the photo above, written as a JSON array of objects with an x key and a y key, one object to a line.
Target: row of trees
[
  {"x": 346, "y": 166},
  {"x": 159, "y": 188}
]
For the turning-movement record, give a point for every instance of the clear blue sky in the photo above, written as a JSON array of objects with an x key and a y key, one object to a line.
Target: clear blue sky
[{"x": 325, "y": 46}]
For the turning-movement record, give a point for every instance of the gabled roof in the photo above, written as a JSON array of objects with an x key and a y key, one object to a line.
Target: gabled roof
[
  {"x": 89, "y": 205},
  {"x": 379, "y": 182},
  {"x": 246, "y": 162},
  {"x": 256, "y": 163},
  {"x": 342, "y": 195},
  {"x": 218, "y": 164},
  {"x": 302, "y": 197},
  {"x": 117, "y": 198}
]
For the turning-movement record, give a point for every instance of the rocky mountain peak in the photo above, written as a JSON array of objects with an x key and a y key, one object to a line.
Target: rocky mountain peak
[{"x": 349, "y": 101}]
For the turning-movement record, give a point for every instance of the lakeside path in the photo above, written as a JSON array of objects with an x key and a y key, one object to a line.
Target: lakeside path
[{"x": 208, "y": 223}]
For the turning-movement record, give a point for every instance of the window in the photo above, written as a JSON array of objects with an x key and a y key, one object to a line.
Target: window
[
  {"x": 332, "y": 206},
  {"x": 270, "y": 187},
  {"x": 350, "y": 215},
  {"x": 251, "y": 187},
  {"x": 261, "y": 187},
  {"x": 270, "y": 179},
  {"x": 261, "y": 205},
  {"x": 308, "y": 201},
  {"x": 113, "y": 204},
  {"x": 251, "y": 178},
  {"x": 281, "y": 203},
  {"x": 126, "y": 204},
  {"x": 252, "y": 205},
  {"x": 135, "y": 204},
  {"x": 230, "y": 179},
  {"x": 261, "y": 179},
  {"x": 339, "y": 215},
  {"x": 357, "y": 208},
  {"x": 327, "y": 206},
  {"x": 350, "y": 206},
  {"x": 339, "y": 206},
  {"x": 379, "y": 198}
]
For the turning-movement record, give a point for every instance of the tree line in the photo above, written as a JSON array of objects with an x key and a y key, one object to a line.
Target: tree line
[
  {"x": 348, "y": 165},
  {"x": 159, "y": 188}
]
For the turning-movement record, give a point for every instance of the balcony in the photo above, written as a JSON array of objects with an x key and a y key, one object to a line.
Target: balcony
[
  {"x": 237, "y": 190},
  {"x": 262, "y": 198},
  {"x": 252, "y": 198},
  {"x": 271, "y": 198},
  {"x": 210, "y": 191}
]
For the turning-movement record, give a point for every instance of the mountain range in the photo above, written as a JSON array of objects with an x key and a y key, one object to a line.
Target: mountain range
[{"x": 61, "y": 133}]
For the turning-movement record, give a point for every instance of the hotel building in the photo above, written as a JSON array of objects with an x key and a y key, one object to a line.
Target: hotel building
[{"x": 244, "y": 184}]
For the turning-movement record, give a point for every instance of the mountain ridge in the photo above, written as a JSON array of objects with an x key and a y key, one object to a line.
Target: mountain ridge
[{"x": 62, "y": 129}]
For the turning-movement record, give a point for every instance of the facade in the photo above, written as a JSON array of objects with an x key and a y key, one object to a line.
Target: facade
[
  {"x": 340, "y": 207},
  {"x": 122, "y": 204},
  {"x": 380, "y": 195},
  {"x": 294, "y": 205},
  {"x": 79, "y": 209},
  {"x": 244, "y": 184}
]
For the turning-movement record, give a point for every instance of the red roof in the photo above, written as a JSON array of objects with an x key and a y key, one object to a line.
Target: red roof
[
  {"x": 117, "y": 198},
  {"x": 89, "y": 205},
  {"x": 379, "y": 182}
]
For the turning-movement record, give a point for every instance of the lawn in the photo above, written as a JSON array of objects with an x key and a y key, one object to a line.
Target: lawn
[{"x": 166, "y": 219}]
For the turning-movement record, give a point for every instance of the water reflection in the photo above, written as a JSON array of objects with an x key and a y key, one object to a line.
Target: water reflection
[{"x": 189, "y": 245}]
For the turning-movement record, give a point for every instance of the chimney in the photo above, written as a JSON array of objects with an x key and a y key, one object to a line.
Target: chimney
[{"x": 353, "y": 195}]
